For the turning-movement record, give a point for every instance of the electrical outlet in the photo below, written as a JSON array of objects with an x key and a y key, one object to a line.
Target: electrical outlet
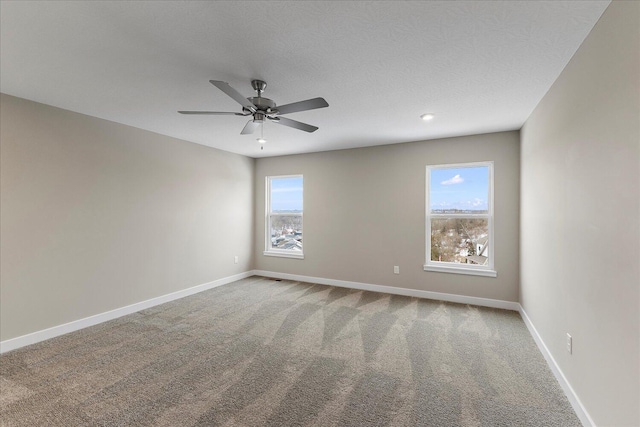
[
  {"x": 235, "y": 259},
  {"x": 569, "y": 344},
  {"x": 396, "y": 269}
]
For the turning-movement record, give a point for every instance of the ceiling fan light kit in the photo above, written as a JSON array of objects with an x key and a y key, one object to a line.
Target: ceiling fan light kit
[{"x": 262, "y": 109}]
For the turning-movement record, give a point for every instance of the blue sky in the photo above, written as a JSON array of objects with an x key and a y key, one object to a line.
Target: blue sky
[
  {"x": 460, "y": 188},
  {"x": 286, "y": 194}
]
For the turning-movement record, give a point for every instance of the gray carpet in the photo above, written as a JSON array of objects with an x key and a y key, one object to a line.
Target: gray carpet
[{"x": 260, "y": 352}]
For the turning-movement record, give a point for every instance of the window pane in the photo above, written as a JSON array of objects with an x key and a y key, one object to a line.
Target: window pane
[
  {"x": 459, "y": 190},
  {"x": 460, "y": 240},
  {"x": 286, "y": 232},
  {"x": 286, "y": 194}
]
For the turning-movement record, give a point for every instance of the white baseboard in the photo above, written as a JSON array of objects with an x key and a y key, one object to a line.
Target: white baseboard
[
  {"x": 575, "y": 402},
  {"x": 461, "y": 299},
  {"x": 14, "y": 343}
]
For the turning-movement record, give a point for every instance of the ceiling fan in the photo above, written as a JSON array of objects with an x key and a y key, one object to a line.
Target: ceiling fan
[{"x": 262, "y": 109}]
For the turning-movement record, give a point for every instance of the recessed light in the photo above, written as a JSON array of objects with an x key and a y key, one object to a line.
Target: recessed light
[{"x": 427, "y": 117}]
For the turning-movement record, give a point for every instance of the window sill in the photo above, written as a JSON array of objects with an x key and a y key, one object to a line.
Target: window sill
[
  {"x": 282, "y": 254},
  {"x": 461, "y": 270}
]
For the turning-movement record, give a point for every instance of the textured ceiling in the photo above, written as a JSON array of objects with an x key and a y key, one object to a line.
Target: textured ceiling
[{"x": 480, "y": 66}]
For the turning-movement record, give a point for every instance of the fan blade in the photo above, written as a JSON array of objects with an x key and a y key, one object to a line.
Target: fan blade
[
  {"x": 294, "y": 124},
  {"x": 250, "y": 127},
  {"x": 309, "y": 104},
  {"x": 213, "y": 113},
  {"x": 224, "y": 86}
]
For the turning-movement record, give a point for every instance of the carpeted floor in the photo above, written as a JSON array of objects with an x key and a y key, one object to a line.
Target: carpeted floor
[{"x": 278, "y": 353}]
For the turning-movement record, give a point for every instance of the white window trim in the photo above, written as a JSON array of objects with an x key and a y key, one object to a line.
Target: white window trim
[
  {"x": 284, "y": 254},
  {"x": 268, "y": 251},
  {"x": 450, "y": 267}
]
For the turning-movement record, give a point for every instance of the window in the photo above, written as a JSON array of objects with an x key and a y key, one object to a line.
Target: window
[
  {"x": 284, "y": 216},
  {"x": 459, "y": 219}
]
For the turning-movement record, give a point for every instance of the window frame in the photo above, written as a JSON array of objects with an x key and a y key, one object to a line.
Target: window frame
[
  {"x": 268, "y": 250},
  {"x": 450, "y": 267}
]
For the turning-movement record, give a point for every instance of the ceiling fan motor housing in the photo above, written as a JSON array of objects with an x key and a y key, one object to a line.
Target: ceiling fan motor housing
[{"x": 263, "y": 104}]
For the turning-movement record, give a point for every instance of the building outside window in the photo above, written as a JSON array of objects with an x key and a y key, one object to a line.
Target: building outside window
[
  {"x": 284, "y": 210},
  {"x": 459, "y": 219}
]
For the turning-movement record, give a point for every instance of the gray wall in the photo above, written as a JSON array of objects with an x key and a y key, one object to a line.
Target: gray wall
[
  {"x": 580, "y": 238},
  {"x": 96, "y": 216},
  {"x": 364, "y": 212}
]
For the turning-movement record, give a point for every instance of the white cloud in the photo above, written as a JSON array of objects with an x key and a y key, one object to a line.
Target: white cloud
[
  {"x": 476, "y": 202},
  {"x": 455, "y": 180}
]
